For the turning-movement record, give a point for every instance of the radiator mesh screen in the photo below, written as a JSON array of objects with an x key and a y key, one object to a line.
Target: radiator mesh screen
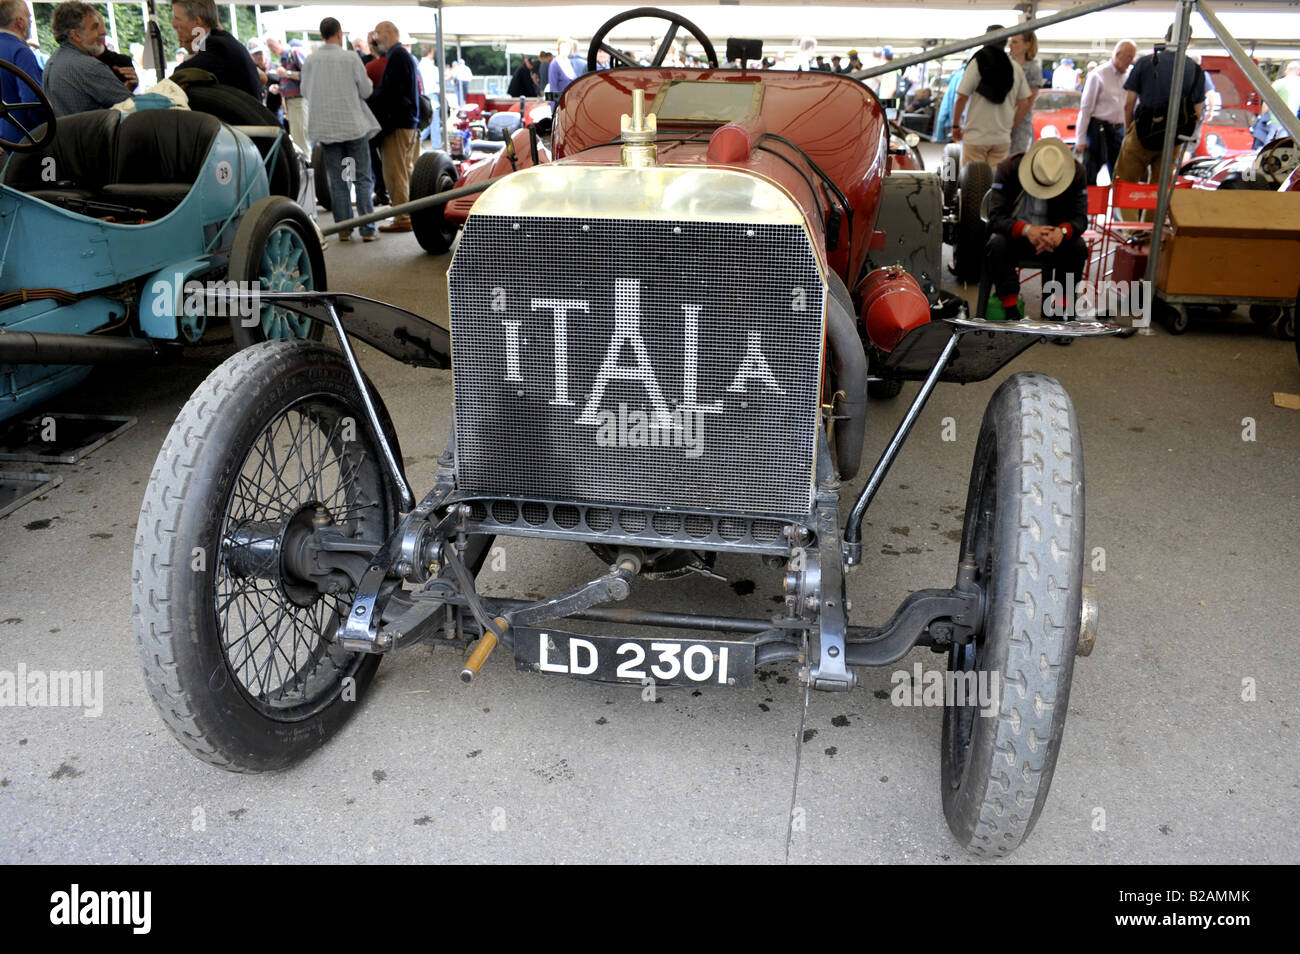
[{"x": 641, "y": 362}]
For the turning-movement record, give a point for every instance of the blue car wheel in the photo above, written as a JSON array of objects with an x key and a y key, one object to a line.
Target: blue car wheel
[{"x": 276, "y": 249}]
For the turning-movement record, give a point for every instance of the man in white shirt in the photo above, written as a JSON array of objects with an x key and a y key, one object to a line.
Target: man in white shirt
[
  {"x": 994, "y": 96},
  {"x": 1100, "y": 126},
  {"x": 1065, "y": 76},
  {"x": 334, "y": 76}
]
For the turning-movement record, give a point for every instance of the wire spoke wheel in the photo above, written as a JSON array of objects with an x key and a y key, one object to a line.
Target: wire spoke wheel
[
  {"x": 285, "y": 266},
  {"x": 276, "y": 250},
  {"x": 266, "y": 501},
  {"x": 276, "y": 633}
]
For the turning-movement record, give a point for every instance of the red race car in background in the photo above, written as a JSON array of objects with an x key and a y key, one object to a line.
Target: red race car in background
[
  {"x": 1055, "y": 114},
  {"x": 1236, "y": 105}
]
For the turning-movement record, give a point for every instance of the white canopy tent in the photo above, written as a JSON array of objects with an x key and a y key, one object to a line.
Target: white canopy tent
[{"x": 1266, "y": 28}]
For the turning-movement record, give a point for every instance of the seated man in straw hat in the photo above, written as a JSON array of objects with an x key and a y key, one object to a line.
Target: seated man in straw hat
[{"x": 1038, "y": 209}]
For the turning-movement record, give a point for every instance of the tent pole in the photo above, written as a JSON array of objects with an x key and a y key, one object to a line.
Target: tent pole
[{"x": 442, "y": 76}]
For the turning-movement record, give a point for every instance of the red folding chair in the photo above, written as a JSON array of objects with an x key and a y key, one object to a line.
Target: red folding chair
[{"x": 1094, "y": 235}]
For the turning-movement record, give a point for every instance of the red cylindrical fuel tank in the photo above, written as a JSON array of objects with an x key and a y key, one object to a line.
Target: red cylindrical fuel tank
[{"x": 892, "y": 305}]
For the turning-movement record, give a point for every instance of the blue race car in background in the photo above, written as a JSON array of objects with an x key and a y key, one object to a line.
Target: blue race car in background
[{"x": 113, "y": 228}]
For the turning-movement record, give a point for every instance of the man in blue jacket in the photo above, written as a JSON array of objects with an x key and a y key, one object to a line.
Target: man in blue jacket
[
  {"x": 15, "y": 28},
  {"x": 396, "y": 104}
]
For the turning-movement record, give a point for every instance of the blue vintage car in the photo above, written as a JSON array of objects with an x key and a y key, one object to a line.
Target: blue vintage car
[{"x": 114, "y": 229}]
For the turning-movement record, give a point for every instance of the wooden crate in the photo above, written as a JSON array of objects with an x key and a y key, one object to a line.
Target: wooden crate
[{"x": 1232, "y": 243}]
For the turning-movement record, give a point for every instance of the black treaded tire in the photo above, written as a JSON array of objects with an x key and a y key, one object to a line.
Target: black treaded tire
[
  {"x": 972, "y": 234},
  {"x": 237, "y": 108},
  {"x": 435, "y": 172},
  {"x": 948, "y": 174},
  {"x": 277, "y": 226},
  {"x": 319, "y": 179},
  {"x": 1024, "y": 524},
  {"x": 198, "y": 492}
]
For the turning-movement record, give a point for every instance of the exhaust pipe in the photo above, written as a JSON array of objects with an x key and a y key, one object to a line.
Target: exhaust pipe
[{"x": 27, "y": 347}]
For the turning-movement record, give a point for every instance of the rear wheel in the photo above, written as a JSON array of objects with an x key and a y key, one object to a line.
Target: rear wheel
[
  {"x": 237, "y": 641},
  {"x": 276, "y": 249},
  {"x": 1024, "y": 530},
  {"x": 435, "y": 172},
  {"x": 972, "y": 234}
]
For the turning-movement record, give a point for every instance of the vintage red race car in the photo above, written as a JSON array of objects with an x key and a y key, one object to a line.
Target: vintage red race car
[
  {"x": 659, "y": 343},
  {"x": 1056, "y": 114}
]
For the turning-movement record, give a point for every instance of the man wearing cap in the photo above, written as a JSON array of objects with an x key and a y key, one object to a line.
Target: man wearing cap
[{"x": 1038, "y": 209}]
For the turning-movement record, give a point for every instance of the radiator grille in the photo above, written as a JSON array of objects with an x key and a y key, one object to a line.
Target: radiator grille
[{"x": 573, "y": 361}]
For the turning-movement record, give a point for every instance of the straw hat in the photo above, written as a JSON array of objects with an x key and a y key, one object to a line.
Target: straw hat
[{"x": 1047, "y": 169}]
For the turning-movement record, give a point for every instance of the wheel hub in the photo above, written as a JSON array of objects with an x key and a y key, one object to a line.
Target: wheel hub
[{"x": 281, "y": 553}]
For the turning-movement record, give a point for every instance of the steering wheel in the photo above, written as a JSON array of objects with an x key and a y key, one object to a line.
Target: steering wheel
[
  {"x": 1276, "y": 160},
  {"x": 29, "y": 142},
  {"x": 676, "y": 22}
]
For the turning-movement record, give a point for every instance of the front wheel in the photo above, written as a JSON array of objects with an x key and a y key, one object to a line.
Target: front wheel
[
  {"x": 276, "y": 249},
  {"x": 1024, "y": 534},
  {"x": 234, "y": 615},
  {"x": 435, "y": 172}
]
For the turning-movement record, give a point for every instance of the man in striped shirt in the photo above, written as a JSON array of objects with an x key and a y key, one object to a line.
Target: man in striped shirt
[{"x": 334, "y": 76}]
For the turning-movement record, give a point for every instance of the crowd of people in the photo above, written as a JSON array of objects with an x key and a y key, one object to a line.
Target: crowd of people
[
  {"x": 373, "y": 88},
  {"x": 370, "y": 132}
]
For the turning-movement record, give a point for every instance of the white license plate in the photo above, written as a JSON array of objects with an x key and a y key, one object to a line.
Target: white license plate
[{"x": 666, "y": 662}]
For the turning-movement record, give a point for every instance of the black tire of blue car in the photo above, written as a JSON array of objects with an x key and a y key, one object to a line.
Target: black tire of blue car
[
  {"x": 198, "y": 610},
  {"x": 237, "y": 108},
  {"x": 1024, "y": 527},
  {"x": 435, "y": 172},
  {"x": 278, "y": 226},
  {"x": 975, "y": 179}
]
